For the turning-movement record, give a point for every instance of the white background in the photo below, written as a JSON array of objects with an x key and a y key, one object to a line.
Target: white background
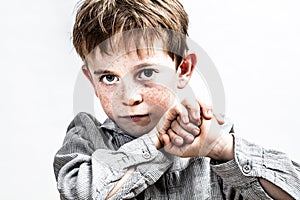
[{"x": 254, "y": 44}]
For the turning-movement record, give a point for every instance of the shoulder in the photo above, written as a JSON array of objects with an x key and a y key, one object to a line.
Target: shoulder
[
  {"x": 84, "y": 120},
  {"x": 86, "y": 128}
]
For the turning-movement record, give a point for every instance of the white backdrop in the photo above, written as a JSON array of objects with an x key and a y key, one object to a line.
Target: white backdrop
[{"x": 254, "y": 44}]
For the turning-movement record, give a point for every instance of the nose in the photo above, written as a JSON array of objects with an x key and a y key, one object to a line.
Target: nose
[
  {"x": 131, "y": 94},
  {"x": 135, "y": 99}
]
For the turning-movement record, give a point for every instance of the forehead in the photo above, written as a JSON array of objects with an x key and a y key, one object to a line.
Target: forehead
[
  {"x": 99, "y": 60},
  {"x": 131, "y": 46}
]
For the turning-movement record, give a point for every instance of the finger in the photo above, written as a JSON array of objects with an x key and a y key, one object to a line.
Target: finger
[
  {"x": 206, "y": 110},
  {"x": 211, "y": 129},
  {"x": 183, "y": 114},
  {"x": 175, "y": 139},
  {"x": 219, "y": 119},
  {"x": 171, "y": 115},
  {"x": 207, "y": 113},
  {"x": 193, "y": 108},
  {"x": 181, "y": 132},
  {"x": 165, "y": 139},
  {"x": 173, "y": 149},
  {"x": 174, "y": 111},
  {"x": 178, "y": 110},
  {"x": 189, "y": 128}
]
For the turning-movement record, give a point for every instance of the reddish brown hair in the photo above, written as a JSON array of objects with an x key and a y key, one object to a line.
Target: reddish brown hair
[{"x": 98, "y": 20}]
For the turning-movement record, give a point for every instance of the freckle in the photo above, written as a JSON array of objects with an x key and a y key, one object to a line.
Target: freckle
[{"x": 159, "y": 96}]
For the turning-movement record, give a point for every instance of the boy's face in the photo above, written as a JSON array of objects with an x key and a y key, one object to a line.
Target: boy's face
[{"x": 135, "y": 91}]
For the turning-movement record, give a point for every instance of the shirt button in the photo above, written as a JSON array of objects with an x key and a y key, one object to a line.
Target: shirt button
[
  {"x": 246, "y": 169},
  {"x": 146, "y": 155}
]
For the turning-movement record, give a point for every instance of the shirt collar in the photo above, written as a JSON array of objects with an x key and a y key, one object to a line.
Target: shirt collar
[{"x": 112, "y": 126}]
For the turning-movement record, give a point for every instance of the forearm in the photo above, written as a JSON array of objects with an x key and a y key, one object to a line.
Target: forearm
[
  {"x": 223, "y": 148},
  {"x": 224, "y": 151},
  {"x": 131, "y": 169},
  {"x": 105, "y": 172},
  {"x": 274, "y": 191},
  {"x": 272, "y": 171},
  {"x": 121, "y": 182}
]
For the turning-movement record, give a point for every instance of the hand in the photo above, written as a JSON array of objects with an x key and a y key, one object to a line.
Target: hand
[
  {"x": 165, "y": 122},
  {"x": 186, "y": 132},
  {"x": 213, "y": 141},
  {"x": 184, "y": 117}
]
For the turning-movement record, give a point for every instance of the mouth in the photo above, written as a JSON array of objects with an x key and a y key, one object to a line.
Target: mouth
[{"x": 136, "y": 118}]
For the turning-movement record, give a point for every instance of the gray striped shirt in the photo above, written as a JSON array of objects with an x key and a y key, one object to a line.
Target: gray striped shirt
[{"x": 95, "y": 156}]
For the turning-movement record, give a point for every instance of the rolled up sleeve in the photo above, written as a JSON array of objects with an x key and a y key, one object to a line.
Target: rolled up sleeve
[
  {"x": 88, "y": 167},
  {"x": 241, "y": 175},
  {"x": 149, "y": 163}
]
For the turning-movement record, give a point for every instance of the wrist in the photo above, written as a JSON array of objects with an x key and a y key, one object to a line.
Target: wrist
[
  {"x": 155, "y": 139},
  {"x": 223, "y": 149}
]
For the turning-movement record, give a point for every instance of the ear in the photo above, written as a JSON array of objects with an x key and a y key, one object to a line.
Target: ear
[
  {"x": 186, "y": 69},
  {"x": 87, "y": 74}
]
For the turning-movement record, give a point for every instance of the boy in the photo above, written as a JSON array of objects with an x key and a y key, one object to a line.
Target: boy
[{"x": 136, "y": 58}]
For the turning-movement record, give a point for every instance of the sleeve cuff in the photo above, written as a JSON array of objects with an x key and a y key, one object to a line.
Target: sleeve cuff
[
  {"x": 141, "y": 153},
  {"x": 252, "y": 162},
  {"x": 246, "y": 166},
  {"x": 138, "y": 151},
  {"x": 231, "y": 174},
  {"x": 241, "y": 173}
]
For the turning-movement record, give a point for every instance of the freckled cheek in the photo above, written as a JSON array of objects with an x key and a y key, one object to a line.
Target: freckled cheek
[
  {"x": 105, "y": 96},
  {"x": 159, "y": 97}
]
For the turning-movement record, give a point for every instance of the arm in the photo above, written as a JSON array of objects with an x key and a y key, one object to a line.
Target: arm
[
  {"x": 88, "y": 167},
  {"x": 121, "y": 182},
  {"x": 247, "y": 169},
  {"x": 260, "y": 173},
  {"x": 224, "y": 151}
]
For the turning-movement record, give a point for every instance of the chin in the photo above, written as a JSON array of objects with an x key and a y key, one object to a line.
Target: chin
[
  {"x": 138, "y": 131},
  {"x": 137, "y": 128}
]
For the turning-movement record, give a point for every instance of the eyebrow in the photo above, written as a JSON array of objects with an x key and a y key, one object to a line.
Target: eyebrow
[{"x": 100, "y": 71}]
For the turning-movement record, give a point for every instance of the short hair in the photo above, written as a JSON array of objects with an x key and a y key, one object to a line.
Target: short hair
[{"x": 98, "y": 20}]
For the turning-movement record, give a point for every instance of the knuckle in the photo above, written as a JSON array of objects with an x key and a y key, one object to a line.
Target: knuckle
[
  {"x": 172, "y": 135},
  {"x": 173, "y": 125},
  {"x": 181, "y": 133}
]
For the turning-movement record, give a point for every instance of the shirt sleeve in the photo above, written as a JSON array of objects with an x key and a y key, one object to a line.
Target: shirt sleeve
[
  {"x": 87, "y": 167},
  {"x": 150, "y": 164},
  {"x": 240, "y": 176}
]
